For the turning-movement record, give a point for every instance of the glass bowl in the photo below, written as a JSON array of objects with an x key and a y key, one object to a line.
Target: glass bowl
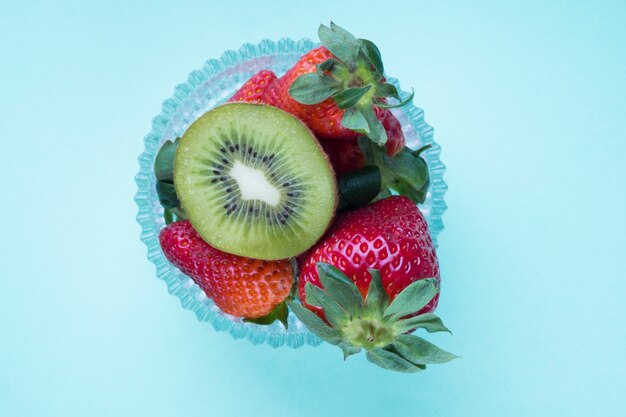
[{"x": 208, "y": 87}]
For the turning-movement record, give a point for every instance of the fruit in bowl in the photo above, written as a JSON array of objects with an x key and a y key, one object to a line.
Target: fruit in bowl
[{"x": 309, "y": 172}]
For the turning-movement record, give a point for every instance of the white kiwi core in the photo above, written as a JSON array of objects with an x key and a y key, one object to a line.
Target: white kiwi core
[{"x": 253, "y": 184}]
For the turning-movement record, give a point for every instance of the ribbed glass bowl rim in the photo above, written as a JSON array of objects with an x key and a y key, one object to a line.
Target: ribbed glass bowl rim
[{"x": 257, "y": 334}]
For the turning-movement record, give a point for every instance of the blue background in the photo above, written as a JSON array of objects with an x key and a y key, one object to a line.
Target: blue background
[{"x": 529, "y": 104}]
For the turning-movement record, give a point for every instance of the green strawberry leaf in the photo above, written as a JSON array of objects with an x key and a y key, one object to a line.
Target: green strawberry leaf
[
  {"x": 429, "y": 322},
  {"x": 348, "y": 349},
  {"x": 353, "y": 119},
  {"x": 412, "y": 298},
  {"x": 376, "y": 299},
  {"x": 315, "y": 324},
  {"x": 280, "y": 313},
  {"x": 168, "y": 216},
  {"x": 167, "y": 195},
  {"x": 179, "y": 213},
  {"x": 326, "y": 65},
  {"x": 313, "y": 88},
  {"x": 421, "y": 150},
  {"x": 405, "y": 189},
  {"x": 164, "y": 162},
  {"x": 396, "y": 105},
  {"x": 405, "y": 173},
  {"x": 358, "y": 188},
  {"x": 411, "y": 169},
  {"x": 339, "y": 42},
  {"x": 372, "y": 53},
  {"x": 174, "y": 214},
  {"x": 334, "y": 313},
  {"x": 377, "y": 132},
  {"x": 416, "y": 349},
  {"x": 350, "y": 96},
  {"x": 340, "y": 288},
  {"x": 391, "y": 361},
  {"x": 164, "y": 172},
  {"x": 387, "y": 90}
]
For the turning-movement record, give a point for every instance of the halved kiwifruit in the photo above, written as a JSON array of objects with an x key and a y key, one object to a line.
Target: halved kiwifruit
[{"x": 254, "y": 181}]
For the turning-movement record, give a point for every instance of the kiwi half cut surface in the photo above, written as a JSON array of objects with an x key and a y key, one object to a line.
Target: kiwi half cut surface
[{"x": 254, "y": 181}]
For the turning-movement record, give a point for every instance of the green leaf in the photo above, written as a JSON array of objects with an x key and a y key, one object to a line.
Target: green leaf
[
  {"x": 372, "y": 53},
  {"x": 370, "y": 150},
  {"x": 418, "y": 152},
  {"x": 387, "y": 90},
  {"x": 396, "y": 105},
  {"x": 353, "y": 119},
  {"x": 164, "y": 162},
  {"x": 416, "y": 349},
  {"x": 350, "y": 96},
  {"x": 168, "y": 216},
  {"x": 376, "y": 298},
  {"x": 412, "y": 298},
  {"x": 335, "y": 315},
  {"x": 406, "y": 172},
  {"x": 377, "y": 132},
  {"x": 417, "y": 195},
  {"x": 391, "y": 361},
  {"x": 325, "y": 65},
  {"x": 358, "y": 188},
  {"x": 313, "y": 88},
  {"x": 179, "y": 213},
  {"x": 407, "y": 167},
  {"x": 340, "y": 287},
  {"x": 348, "y": 349},
  {"x": 403, "y": 188},
  {"x": 280, "y": 312},
  {"x": 384, "y": 193},
  {"x": 315, "y": 324},
  {"x": 340, "y": 42},
  {"x": 430, "y": 322},
  {"x": 167, "y": 194}
]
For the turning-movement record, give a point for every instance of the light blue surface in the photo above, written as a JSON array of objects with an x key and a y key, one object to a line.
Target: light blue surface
[{"x": 529, "y": 102}]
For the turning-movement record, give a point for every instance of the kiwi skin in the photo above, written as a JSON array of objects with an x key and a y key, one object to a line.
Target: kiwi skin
[{"x": 334, "y": 190}]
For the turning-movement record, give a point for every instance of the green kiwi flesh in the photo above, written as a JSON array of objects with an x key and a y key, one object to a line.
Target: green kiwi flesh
[{"x": 254, "y": 181}]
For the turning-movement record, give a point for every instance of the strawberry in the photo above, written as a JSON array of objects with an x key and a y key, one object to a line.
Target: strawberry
[
  {"x": 346, "y": 156},
  {"x": 339, "y": 90},
  {"x": 372, "y": 279},
  {"x": 389, "y": 235},
  {"x": 244, "y": 287},
  {"x": 255, "y": 88}
]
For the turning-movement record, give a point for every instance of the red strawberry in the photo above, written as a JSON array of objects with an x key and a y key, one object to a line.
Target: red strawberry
[
  {"x": 390, "y": 235},
  {"x": 254, "y": 89},
  {"x": 395, "y": 137},
  {"x": 372, "y": 280},
  {"x": 339, "y": 90},
  {"x": 346, "y": 156},
  {"x": 243, "y": 287}
]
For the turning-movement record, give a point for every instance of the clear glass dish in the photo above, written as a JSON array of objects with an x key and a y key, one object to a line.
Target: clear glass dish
[{"x": 206, "y": 88}]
